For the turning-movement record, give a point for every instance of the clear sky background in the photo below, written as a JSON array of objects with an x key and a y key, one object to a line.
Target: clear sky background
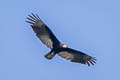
[{"x": 91, "y": 26}]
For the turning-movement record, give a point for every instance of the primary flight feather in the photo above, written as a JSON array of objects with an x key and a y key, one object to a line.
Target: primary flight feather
[{"x": 48, "y": 38}]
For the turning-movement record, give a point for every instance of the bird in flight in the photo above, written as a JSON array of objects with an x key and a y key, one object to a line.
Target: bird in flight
[{"x": 57, "y": 48}]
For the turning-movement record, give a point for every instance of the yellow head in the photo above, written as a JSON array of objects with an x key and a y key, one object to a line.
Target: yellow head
[{"x": 63, "y": 46}]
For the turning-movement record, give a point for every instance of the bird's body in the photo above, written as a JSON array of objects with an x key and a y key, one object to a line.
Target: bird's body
[{"x": 49, "y": 39}]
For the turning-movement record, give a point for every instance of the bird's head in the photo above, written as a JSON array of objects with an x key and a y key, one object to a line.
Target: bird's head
[{"x": 63, "y": 46}]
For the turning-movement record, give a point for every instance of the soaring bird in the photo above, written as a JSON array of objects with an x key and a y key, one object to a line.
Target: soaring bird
[{"x": 57, "y": 48}]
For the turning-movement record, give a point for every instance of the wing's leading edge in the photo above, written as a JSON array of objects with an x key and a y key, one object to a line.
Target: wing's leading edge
[
  {"x": 77, "y": 56},
  {"x": 42, "y": 31}
]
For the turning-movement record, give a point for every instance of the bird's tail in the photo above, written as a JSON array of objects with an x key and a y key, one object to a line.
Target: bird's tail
[{"x": 50, "y": 55}]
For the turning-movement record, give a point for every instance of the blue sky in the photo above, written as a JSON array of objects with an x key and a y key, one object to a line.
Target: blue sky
[{"x": 91, "y": 26}]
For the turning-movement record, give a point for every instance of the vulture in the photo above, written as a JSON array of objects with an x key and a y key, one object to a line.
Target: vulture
[{"x": 47, "y": 37}]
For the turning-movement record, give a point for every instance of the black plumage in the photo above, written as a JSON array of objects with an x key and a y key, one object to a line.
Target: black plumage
[{"x": 48, "y": 38}]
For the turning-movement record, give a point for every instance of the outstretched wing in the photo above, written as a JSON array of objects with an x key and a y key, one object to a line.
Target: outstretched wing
[
  {"x": 77, "y": 56},
  {"x": 42, "y": 31}
]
